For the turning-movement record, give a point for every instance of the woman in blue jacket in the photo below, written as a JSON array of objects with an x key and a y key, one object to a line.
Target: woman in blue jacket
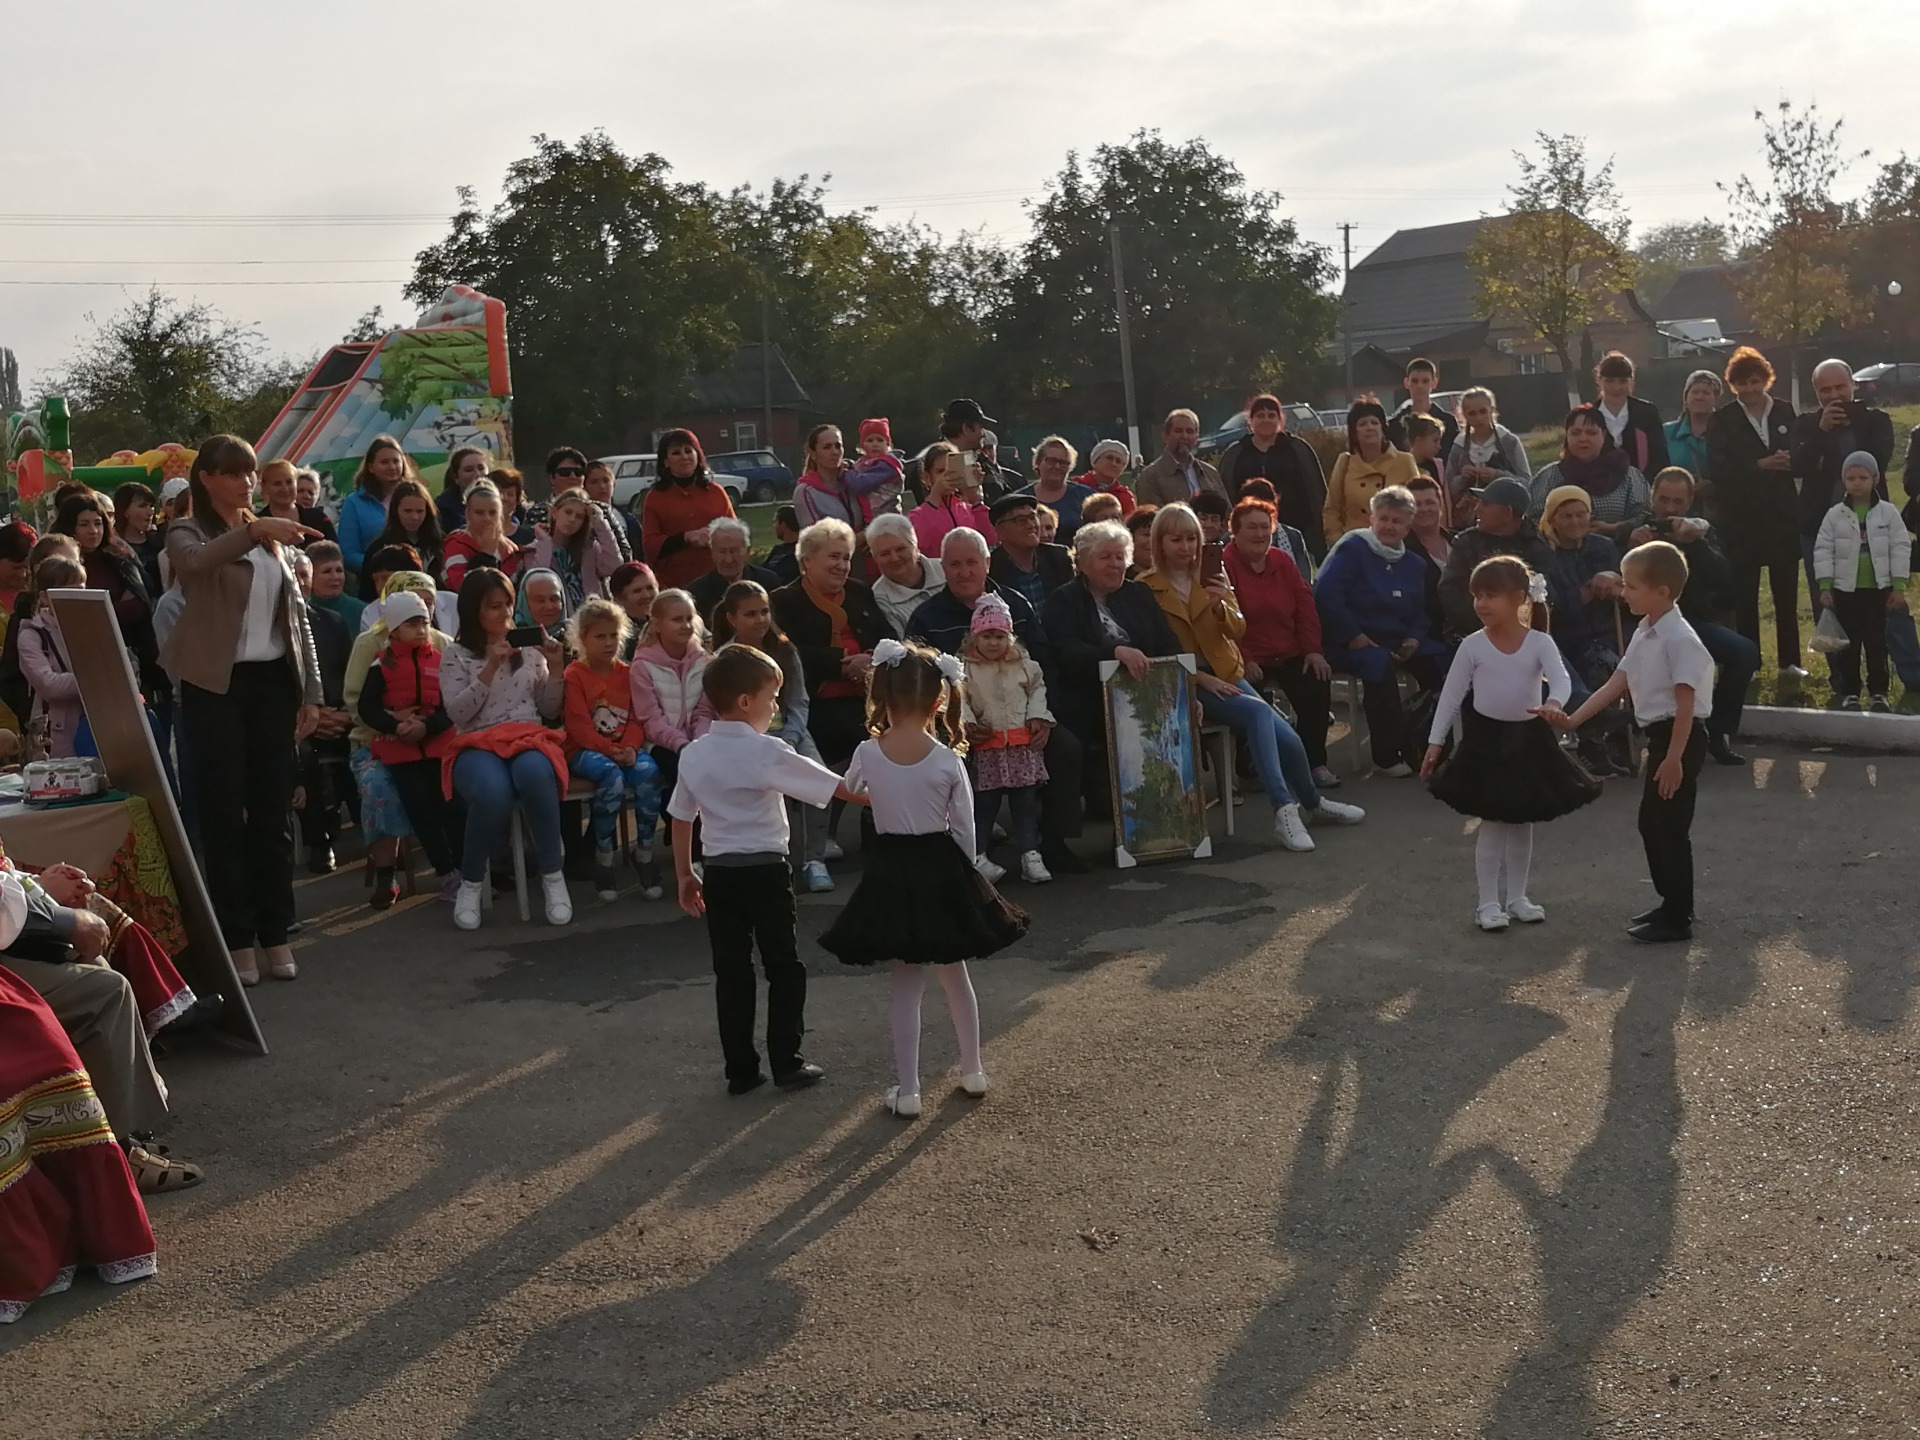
[
  {"x": 363, "y": 514},
  {"x": 1377, "y": 608}
]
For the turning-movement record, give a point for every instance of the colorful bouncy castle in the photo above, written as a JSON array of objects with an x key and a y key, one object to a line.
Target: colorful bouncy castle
[{"x": 437, "y": 385}]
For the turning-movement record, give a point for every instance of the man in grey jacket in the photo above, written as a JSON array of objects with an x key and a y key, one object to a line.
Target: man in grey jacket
[{"x": 1178, "y": 475}]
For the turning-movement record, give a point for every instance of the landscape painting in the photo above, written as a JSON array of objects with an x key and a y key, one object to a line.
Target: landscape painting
[{"x": 1159, "y": 811}]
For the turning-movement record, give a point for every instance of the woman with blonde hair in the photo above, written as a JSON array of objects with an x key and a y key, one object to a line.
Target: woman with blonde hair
[
  {"x": 1053, "y": 462},
  {"x": 1199, "y": 604}
]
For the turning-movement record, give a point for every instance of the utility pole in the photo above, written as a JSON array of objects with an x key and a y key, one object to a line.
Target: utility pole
[
  {"x": 1346, "y": 311},
  {"x": 766, "y": 366},
  {"x": 1126, "y": 343}
]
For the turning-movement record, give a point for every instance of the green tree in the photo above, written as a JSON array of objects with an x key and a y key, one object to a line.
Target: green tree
[
  {"x": 1665, "y": 250},
  {"x": 618, "y": 283},
  {"x": 1557, "y": 259},
  {"x": 1791, "y": 231},
  {"x": 161, "y": 370},
  {"x": 1223, "y": 295},
  {"x": 370, "y": 326}
]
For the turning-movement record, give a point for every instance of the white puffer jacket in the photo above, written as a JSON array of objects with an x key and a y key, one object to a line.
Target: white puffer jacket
[{"x": 1836, "y": 549}]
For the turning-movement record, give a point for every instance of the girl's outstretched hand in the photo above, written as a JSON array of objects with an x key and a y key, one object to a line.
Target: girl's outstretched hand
[
  {"x": 1430, "y": 761},
  {"x": 1553, "y": 715}
]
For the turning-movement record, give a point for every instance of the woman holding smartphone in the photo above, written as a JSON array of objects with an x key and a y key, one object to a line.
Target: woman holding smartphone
[
  {"x": 502, "y": 699},
  {"x": 1199, "y": 605}
]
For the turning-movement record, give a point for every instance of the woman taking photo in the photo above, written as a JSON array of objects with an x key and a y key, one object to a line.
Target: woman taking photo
[
  {"x": 1754, "y": 505},
  {"x": 1483, "y": 452},
  {"x": 465, "y": 465},
  {"x": 502, "y": 701},
  {"x": 280, "y": 495},
  {"x": 363, "y": 514},
  {"x": 1376, "y": 618},
  {"x": 575, "y": 543},
  {"x": 952, "y": 503},
  {"x": 413, "y": 522},
  {"x": 482, "y": 541},
  {"x": 1617, "y": 491},
  {"x": 679, "y": 507},
  {"x": 1370, "y": 465},
  {"x": 249, "y": 681},
  {"x": 834, "y": 622},
  {"x": 1207, "y": 622}
]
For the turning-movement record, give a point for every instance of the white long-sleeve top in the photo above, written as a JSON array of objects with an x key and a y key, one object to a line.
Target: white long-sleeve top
[{"x": 1505, "y": 687}]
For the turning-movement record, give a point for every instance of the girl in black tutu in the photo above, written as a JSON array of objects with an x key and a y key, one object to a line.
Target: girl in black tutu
[
  {"x": 921, "y": 904},
  {"x": 1509, "y": 769}
]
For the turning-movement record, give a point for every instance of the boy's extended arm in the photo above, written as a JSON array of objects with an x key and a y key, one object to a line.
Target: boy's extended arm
[{"x": 691, "y": 899}]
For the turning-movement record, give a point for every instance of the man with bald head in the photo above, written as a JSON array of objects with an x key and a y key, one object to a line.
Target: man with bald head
[{"x": 1820, "y": 443}]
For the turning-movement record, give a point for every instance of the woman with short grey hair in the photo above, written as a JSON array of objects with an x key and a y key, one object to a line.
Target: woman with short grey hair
[
  {"x": 1687, "y": 434},
  {"x": 906, "y": 576},
  {"x": 1054, "y": 487}
]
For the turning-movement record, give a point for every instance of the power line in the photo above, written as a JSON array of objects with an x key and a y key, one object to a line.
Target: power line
[
  {"x": 110, "y": 284},
  {"x": 385, "y": 260}
]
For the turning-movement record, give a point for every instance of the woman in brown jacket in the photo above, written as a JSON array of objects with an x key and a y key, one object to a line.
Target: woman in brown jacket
[{"x": 243, "y": 653}]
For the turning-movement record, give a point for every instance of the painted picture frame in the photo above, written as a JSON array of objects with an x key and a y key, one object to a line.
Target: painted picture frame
[{"x": 1159, "y": 810}]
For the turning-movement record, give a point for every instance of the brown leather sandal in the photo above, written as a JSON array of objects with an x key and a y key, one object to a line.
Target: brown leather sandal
[{"x": 156, "y": 1175}]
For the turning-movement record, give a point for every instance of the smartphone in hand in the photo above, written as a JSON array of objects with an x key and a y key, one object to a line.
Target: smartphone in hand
[
  {"x": 1212, "y": 561},
  {"x": 526, "y": 637}
]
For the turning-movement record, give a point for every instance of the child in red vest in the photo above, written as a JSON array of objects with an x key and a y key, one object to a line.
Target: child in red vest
[
  {"x": 401, "y": 705},
  {"x": 606, "y": 745}
]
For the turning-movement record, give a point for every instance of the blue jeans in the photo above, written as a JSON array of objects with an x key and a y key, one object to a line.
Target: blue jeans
[
  {"x": 612, "y": 783},
  {"x": 1278, "y": 756},
  {"x": 491, "y": 787},
  {"x": 1739, "y": 660}
]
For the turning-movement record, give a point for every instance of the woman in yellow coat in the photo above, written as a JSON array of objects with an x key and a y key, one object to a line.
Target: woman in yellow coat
[
  {"x": 1370, "y": 464},
  {"x": 1206, "y": 619}
]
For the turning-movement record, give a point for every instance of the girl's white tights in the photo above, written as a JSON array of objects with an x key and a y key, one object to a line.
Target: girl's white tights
[
  {"x": 1502, "y": 847},
  {"x": 909, "y": 981}
]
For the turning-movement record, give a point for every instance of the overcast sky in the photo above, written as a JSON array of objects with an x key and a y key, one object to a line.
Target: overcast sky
[{"x": 136, "y": 115}]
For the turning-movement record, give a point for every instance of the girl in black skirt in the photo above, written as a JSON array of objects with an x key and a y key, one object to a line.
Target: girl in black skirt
[
  {"x": 1509, "y": 769},
  {"x": 921, "y": 904}
]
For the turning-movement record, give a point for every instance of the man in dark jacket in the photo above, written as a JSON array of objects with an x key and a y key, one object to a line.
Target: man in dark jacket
[
  {"x": 963, "y": 425},
  {"x": 728, "y": 540},
  {"x": 1821, "y": 440},
  {"x": 943, "y": 622},
  {"x": 1284, "y": 461},
  {"x": 1421, "y": 377},
  {"x": 1499, "y": 528},
  {"x": 1707, "y": 604},
  {"x": 1020, "y": 562}
]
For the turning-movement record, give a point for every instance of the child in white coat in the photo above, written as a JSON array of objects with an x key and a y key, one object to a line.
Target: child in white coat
[
  {"x": 1005, "y": 707},
  {"x": 1861, "y": 559}
]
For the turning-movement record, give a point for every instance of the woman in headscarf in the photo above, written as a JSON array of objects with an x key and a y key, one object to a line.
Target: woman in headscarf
[
  {"x": 383, "y": 814},
  {"x": 542, "y": 601}
]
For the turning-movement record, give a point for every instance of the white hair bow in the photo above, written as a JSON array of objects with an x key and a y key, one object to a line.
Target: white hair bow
[
  {"x": 952, "y": 667},
  {"x": 892, "y": 652},
  {"x": 1537, "y": 589}
]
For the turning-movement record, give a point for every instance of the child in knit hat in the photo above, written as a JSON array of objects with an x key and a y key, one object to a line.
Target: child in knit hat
[
  {"x": 1005, "y": 710},
  {"x": 876, "y": 478},
  {"x": 1861, "y": 559}
]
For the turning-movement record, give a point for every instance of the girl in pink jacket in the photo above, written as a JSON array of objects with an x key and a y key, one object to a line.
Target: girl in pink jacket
[
  {"x": 576, "y": 545},
  {"x": 669, "y": 699}
]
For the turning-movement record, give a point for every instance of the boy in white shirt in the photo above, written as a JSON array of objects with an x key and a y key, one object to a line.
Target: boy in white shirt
[
  {"x": 1669, "y": 674},
  {"x": 735, "y": 780}
]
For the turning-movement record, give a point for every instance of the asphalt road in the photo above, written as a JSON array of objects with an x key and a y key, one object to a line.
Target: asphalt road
[{"x": 1278, "y": 1145}]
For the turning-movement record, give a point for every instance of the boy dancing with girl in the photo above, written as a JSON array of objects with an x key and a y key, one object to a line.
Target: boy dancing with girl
[
  {"x": 735, "y": 780},
  {"x": 1669, "y": 674}
]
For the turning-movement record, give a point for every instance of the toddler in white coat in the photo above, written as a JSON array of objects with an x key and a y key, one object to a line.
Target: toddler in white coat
[
  {"x": 1007, "y": 721},
  {"x": 1861, "y": 558}
]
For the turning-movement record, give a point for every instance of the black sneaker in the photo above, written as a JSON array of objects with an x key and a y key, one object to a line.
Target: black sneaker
[
  {"x": 1849, "y": 702},
  {"x": 750, "y": 1083},
  {"x": 1660, "y": 932},
  {"x": 605, "y": 885},
  {"x": 320, "y": 860},
  {"x": 650, "y": 885},
  {"x": 1881, "y": 706},
  {"x": 1648, "y": 917},
  {"x": 801, "y": 1076}
]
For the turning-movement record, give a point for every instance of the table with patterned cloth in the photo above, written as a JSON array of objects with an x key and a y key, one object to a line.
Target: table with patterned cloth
[{"x": 116, "y": 842}]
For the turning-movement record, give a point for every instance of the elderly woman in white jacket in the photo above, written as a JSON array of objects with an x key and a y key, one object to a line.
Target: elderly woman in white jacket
[
  {"x": 1004, "y": 707},
  {"x": 1861, "y": 560}
]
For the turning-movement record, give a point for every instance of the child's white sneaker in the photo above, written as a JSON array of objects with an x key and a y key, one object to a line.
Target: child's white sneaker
[
  {"x": 1490, "y": 917},
  {"x": 1033, "y": 869},
  {"x": 466, "y": 905},
  {"x": 1525, "y": 911},
  {"x": 975, "y": 1084},
  {"x": 993, "y": 874},
  {"x": 553, "y": 888},
  {"x": 907, "y": 1107},
  {"x": 1336, "y": 813},
  {"x": 1290, "y": 830}
]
